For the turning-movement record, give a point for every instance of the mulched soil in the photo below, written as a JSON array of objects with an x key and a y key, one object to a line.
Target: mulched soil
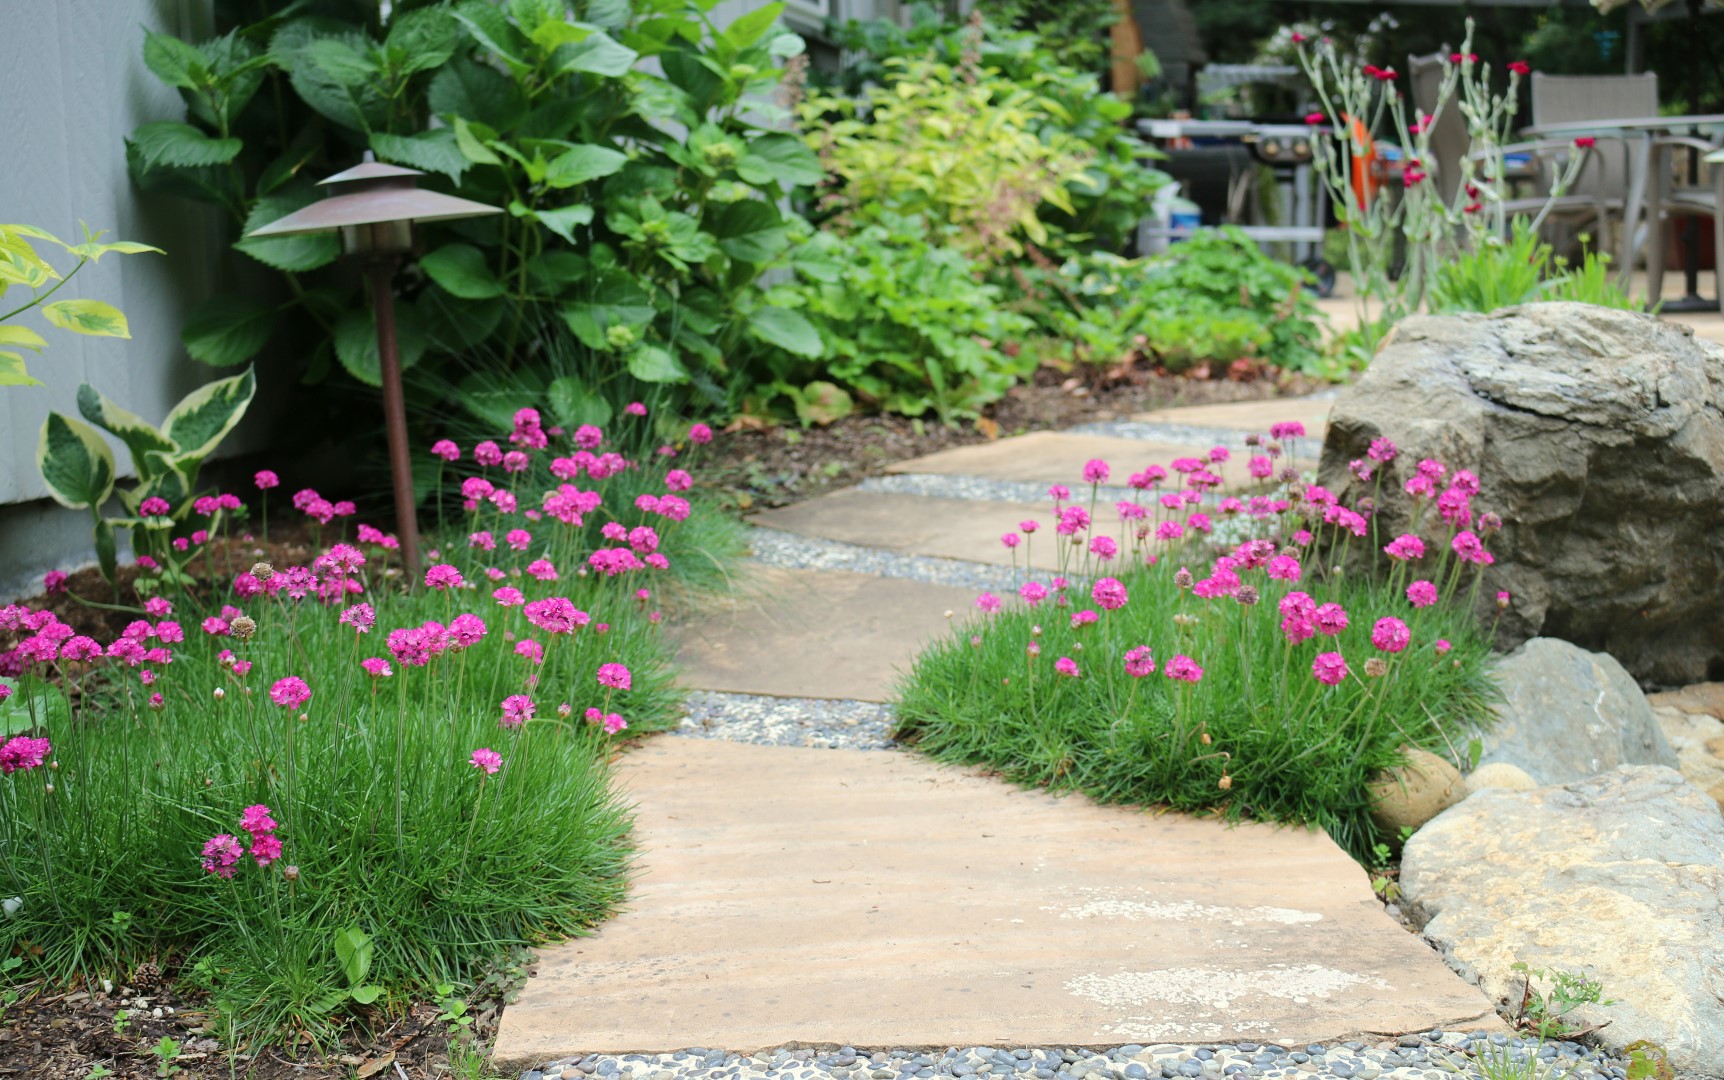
[
  {"x": 757, "y": 469},
  {"x": 64, "y": 1033}
]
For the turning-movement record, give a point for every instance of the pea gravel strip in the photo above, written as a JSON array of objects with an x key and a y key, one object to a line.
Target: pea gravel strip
[
  {"x": 775, "y": 547},
  {"x": 1032, "y": 496},
  {"x": 773, "y": 721},
  {"x": 1434, "y": 1055}
]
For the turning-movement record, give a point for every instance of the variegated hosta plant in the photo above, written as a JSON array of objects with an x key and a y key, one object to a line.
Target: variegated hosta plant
[
  {"x": 21, "y": 265},
  {"x": 78, "y": 467}
]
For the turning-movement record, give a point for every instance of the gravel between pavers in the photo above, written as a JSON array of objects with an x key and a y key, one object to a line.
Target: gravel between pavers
[
  {"x": 825, "y": 723},
  {"x": 777, "y": 548},
  {"x": 1032, "y": 496},
  {"x": 1434, "y": 1055}
]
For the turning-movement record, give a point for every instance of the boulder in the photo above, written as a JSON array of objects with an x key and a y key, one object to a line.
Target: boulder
[
  {"x": 1500, "y": 774},
  {"x": 1598, "y": 436},
  {"x": 1704, "y": 698},
  {"x": 1698, "y": 740},
  {"x": 1619, "y": 876},
  {"x": 1415, "y": 792},
  {"x": 1567, "y": 713}
]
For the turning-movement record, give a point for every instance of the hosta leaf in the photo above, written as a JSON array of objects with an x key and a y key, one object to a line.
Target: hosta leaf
[
  {"x": 139, "y": 435},
  {"x": 295, "y": 254},
  {"x": 462, "y": 270},
  {"x": 228, "y": 329},
  {"x": 204, "y": 417},
  {"x": 77, "y": 466},
  {"x": 170, "y": 142},
  {"x": 91, "y": 317}
]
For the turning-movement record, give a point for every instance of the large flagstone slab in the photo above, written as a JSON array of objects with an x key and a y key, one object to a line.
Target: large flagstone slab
[
  {"x": 813, "y": 633},
  {"x": 1247, "y": 415},
  {"x": 881, "y": 900},
  {"x": 919, "y": 525},
  {"x": 1054, "y": 457}
]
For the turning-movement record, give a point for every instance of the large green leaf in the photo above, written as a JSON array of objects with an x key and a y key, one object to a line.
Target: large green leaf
[
  {"x": 169, "y": 142},
  {"x": 295, "y": 254},
  {"x": 228, "y": 329},
  {"x": 203, "y": 417},
  {"x": 175, "y": 62},
  {"x": 652, "y": 364},
  {"x": 346, "y": 60},
  {"x": 597, "y": 54},
  {"x": 433, "y": 151},
  {"x": 92, "y": 317},
  {"x": 13, "y": 372},
  {"x": 470, "y": 139},
  {"x": 140, "y": 436},
  {"x": 685, "y": 68},
  {"x": 356, "y": 342},
  {"x": 21, "y": 337},
  {"x": 573, "y": 403},
  {"x": 563, "y": 219},
  {"x": 750, "y": 231},
  {"x": 77, "y": 466},
  {"x": 421, "y": 40},
  {"x": 614, "y": 299},
  {"x": 578, "y": 164},
  {"x": 750, "y": 28},
  {"x": 492, "y": 29},
  {"x": 308, "y": 48},
  {"x": 789, "y": 330},
  {"x": 453, "y": 325},
  {"x": 780, "y": 159},
  {"x": 477, "y": 93},
  {"x": 462, "y": 270}
]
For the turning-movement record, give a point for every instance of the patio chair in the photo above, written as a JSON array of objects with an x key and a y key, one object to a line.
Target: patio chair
[
  {"x": 1602, "y": 188},
  {"x": 1449, "y": 139},
  {"x": 1665, "y": 200}
]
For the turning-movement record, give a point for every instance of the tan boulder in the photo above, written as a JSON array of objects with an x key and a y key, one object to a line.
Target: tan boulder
[
  {"x": 1707, "y": 698},
  {"x": 1408, "y": 796},
  {"x": 1698, "y": 739},
  {"x": 1500, "y": 774}
]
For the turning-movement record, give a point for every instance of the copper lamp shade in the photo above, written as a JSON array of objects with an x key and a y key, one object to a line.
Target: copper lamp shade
[{"x": 374, "y": 206}]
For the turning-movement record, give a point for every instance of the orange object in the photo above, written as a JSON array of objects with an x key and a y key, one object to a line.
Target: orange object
[{"x": 1367, "y": 166}]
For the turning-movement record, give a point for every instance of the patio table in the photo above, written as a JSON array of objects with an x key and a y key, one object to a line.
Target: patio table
[{"x": 1646, "y": 159}]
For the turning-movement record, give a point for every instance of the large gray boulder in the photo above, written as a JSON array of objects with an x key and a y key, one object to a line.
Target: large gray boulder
[
  {"x": 1619, "y": 876},
  {"x": 1598, "y": 435},
  {"x": 1567, "y": 714}
]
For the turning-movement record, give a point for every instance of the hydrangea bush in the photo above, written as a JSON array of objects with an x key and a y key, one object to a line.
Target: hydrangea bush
[
  {"x": 1264, "y": 683},
  {"x": 261, "y": 782}
]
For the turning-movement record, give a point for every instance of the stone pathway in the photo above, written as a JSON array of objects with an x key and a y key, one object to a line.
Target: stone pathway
[{"x": 802, "y": 884}]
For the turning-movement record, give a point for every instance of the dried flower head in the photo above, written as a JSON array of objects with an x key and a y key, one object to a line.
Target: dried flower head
[
  {"x": 262, "y": 571},
  {"x": 1376, "y": 667},
  {"x": 290, "y": 872},
  {"x": 1246, "y": 595},
  {"x": 1183, "y": 579},
  {"x": 243, "y": 627},
  {"x": 1225, "y": 783}
]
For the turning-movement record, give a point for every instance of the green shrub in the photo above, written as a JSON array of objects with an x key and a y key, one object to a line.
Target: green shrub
[
  {"x": 624, "y": 238},
  {"x": 1496, "y": 274},
  {"x": 404, "y": 862},
  {"x": 1274, "y": 689},
  {"x": 906, "y": 325}
]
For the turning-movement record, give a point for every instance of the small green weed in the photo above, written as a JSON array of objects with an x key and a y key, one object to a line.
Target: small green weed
[
  {"x": 98, "y": 1071},
  {"x": 1545, "y": 1012},
  {"x": 1648, "y": 1061},
  {"x": 122, "y": 1022},
  {"x": 1500, "y": 1063},
  {"x": 167, "y": 1052}
]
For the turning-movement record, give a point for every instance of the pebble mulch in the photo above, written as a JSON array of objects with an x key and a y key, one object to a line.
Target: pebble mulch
[
  {"x": 773, "y": 721},
  {"x": 1032, "y": 496},
  {"x": 1434, "y": 1055},
  {"x": 777, "y": 548},
  {"x": 1197, "y": 438}
]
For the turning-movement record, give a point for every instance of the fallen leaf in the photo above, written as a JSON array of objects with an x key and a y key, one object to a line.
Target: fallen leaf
[{"x": 375, "y": 1066}]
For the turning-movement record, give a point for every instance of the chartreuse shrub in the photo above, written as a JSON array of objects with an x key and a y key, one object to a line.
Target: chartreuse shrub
[
  {"x": 315, "y": 789},
  {"x": 635, "y": 146},
  {"x": 1191, "y": 649},
  {"x": 22, "y": 265}
]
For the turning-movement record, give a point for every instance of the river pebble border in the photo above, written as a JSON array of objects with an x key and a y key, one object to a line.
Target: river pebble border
[
  {"x": 1033, "y": 497},
  {"x": 1198, "y": 438},
  {"x": 1434, "y": 1055},
  {"x": 824, "y": 723},
  {"x": 777, "y": 548}
]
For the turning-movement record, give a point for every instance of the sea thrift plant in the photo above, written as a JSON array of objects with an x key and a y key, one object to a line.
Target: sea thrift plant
[{"x": 1283, "y": 685}]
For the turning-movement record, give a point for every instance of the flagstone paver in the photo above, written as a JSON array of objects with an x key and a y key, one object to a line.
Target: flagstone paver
[
  {"x": 826, "y": 897},
  {"x": 809, "y": 633},
  {"x": 945, "y": 528},
  {"x": 1257, "y": 416},
  {"x": 1057, "y": 457}
]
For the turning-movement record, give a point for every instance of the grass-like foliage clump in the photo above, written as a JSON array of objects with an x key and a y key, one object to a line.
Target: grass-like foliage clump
[
  {"x": 315, "y": 790},
  {"x": 1268, "y": 688}
]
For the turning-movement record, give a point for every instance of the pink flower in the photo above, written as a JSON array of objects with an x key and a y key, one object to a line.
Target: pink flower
[
  {"x": 530, "y": 649},
  {"x": 700, "y": 434},
  {"x": 410, "y": 647},
  {"x": 614, "y": 676},
  {"x": 1084, "y": 618},
  {"x": 446, "y": 449},
  {"x": 635, "y": 408},
  {"x": 1033, "y": 592},
  {"x": 220, "y": 852},
  {"x": 614, "y": 723},
  {"x": 54, "y": 582},
  {"x": 157, "y": 607},
  {"x": 80, "y": 648},
  {"x": 519, "y": 539},
  {"x": 1073, "y": 520},
  {"x": 466, "y": 630},
  {"x": 255, "y": 819},
  {"x": 1066, "y": 666},
  {"x": 678, "y": 480},
  {"x": 483, "y": 540},
  {"x": 1059, "y": 493},
  {"x": 1011, "y": 540},
  {"x": 1109, "y": 594},
  {"x": 1519, "y": 67},
  {"x": 1139, "y": 662},
  {"x": 376, "y": 667},
  {"x": 1421, "y": 594},
  {"x": 1287, "y": 429},
  {"x": 542, "y": 569},
  {"x": 1503, "y": 600},
  {"x": 1331, "y": 619},
  {"x": 1405, "y": 546},
  {"x": 265, "y": 479},
  {"x": 1465, "y": 482},
  {"x": 1443, "y": 646},
  {"x": 1183, "y": 668},
  {"x": 1102, "y": 547},
  {"x": 1219, "y": 455},
  {"x": 488, "y": 454},
  {"x": 1314, "y": 118},
  {"x": 1095, "y": 471},
  {"x": 1148, "y": 478},
  {"x": 1382, "y": 450},
  {"x": 1586, "y": 142},
  {"x": 1470, "y": 549},
  {"x": 1285, "y": 568},
  {"x": 1302, "y": 537},
  {"x": 23, "y": 753},
  {"x": 1260, "y": 467},
  {"x": 508, "y": 596},
  {"x": 556, "y": 615},
  {"x": 988, "y": 602},
  {"x": 1455, "y": 508},
  {"x": 1028, "y": 527},
  {"x": 486, "y": 760},
  {"x": 515, "y": 461},
  {"x": 290, "y": 693},
  {"x": 1390, "y": 634},
  {"x": 1329, "y": 668},
  {"x": 265, "y": 848},
  {"x": 517, "y": 710},
  {"x": 1169, "y": 530},
  {"x": 215, "y": 626}
]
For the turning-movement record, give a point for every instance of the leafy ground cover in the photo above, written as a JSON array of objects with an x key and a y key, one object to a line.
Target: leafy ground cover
[{"x": 1261, "y": 684}]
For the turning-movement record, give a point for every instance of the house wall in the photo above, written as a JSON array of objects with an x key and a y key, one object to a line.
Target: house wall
[{"x": 74, "y": 84}]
